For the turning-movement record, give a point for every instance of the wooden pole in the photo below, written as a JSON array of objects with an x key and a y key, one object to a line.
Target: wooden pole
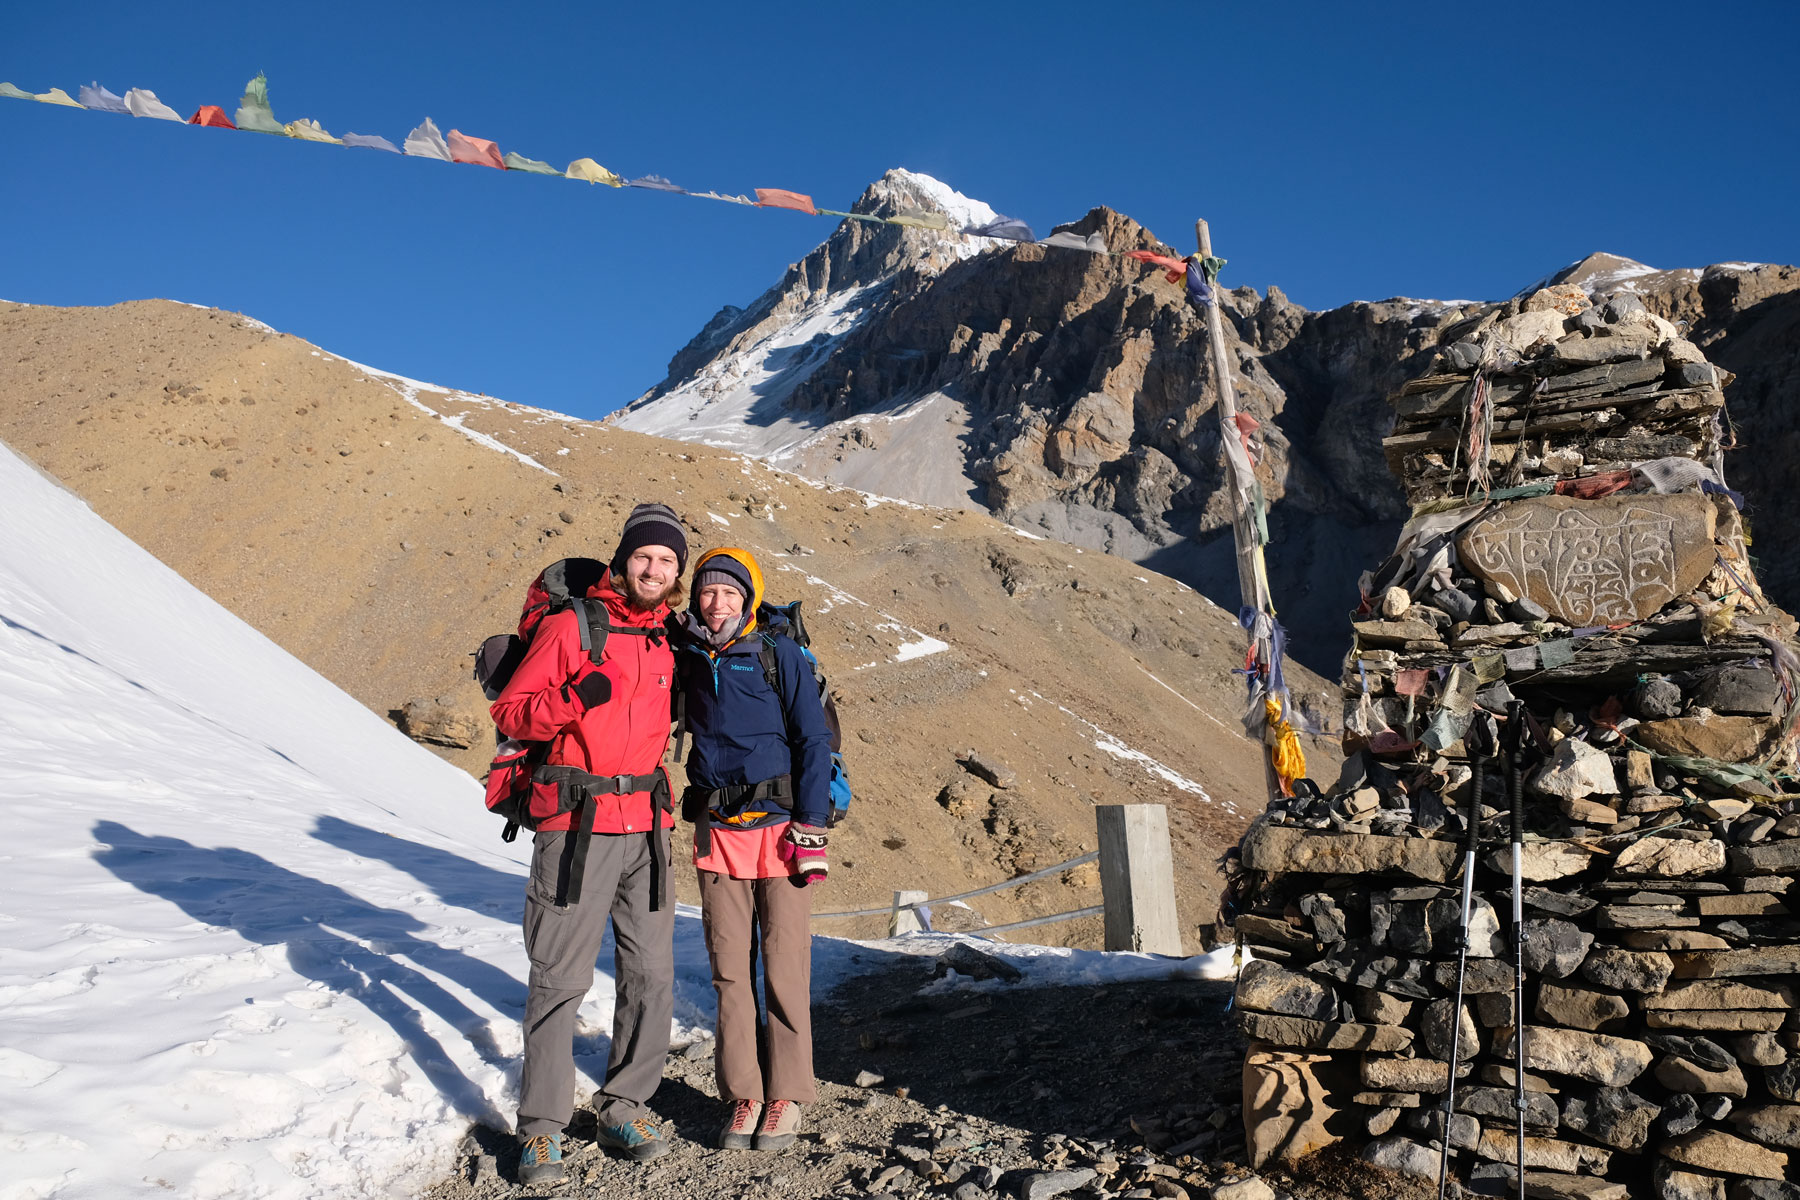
[
  {"x": 1250, "y": 565},
  {"x": 1137, "y": 878}
]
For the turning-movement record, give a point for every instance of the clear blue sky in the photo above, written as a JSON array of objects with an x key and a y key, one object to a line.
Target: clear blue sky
[{"x": 1341, "y": 151}]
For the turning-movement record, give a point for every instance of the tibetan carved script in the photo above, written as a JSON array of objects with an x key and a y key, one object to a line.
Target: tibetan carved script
[{"x": 1595, "y": 562}]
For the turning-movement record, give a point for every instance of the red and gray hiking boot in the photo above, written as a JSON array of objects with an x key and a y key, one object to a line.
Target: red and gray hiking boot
[
  {"x": 740, "y": 1126},
  {"x": 779, "y": 1126},
  {"x": 540, "y": 1159}
]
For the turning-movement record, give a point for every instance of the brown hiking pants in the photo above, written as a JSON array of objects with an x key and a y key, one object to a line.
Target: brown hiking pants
[
  {"x": 563, "y": 943},
  {"x": 774, "y": 1062}
]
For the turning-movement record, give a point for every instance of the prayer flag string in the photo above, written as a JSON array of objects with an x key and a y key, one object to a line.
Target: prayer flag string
[{"x": 256, "y": 114}]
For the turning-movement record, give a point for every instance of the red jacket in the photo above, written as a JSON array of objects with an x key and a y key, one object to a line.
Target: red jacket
[{"x": 624, "y": 736}]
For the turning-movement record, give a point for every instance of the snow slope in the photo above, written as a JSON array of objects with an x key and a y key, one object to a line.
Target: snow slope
[{"x": 253, "y": 942}]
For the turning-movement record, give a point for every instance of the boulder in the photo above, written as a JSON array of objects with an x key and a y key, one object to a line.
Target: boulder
[
  {"x": 1747, "y": 691},
  {"x": 1042, "y": 1185},
  {"x": 443, "y": 722},
  {"x": 1672, "y": 1183},
  {"x": 1596, "y": 1057},
  {"x": 1770, "y": 1124},
  {"x": 1436, "y": 1032},
  {"x": 1679, "y": 1073},
  {"x": 1670, "y": 857},
  {"x": 1770, "y": 858},
  {"x": 1627, "y": 970},
  {"x": 1541, "y": 862},
  {"x": 1716, "y": 1150},
  {"x": 1264, "y": 986},
  {"x": 1402, "y": 1156},
  {"x": 1554, "y": 948},
  {"x": 1707, "y": 735},
  {"x": 1323, "y": 1035},
  {"x": 1286, "y": 1108},
  {"x": 1554, "y": 1185},
  {"x": 1576, "y": 770},
  {"x": 1611, "y": 1116},
  {"x": 1579, "y": 1008},
  {"x": 1497, "y": 1104},
  {"x": 1284, "y": 849}
]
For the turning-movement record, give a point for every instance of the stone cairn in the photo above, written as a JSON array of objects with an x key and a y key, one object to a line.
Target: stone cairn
[{"x": 1573, "y": 549}]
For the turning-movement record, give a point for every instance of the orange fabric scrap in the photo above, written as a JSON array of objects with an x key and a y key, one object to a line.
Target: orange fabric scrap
[
  {"x": 1177, "y": 267},
  {"x": 777, "y": 198},
  {"x": 473, "y": 150}
]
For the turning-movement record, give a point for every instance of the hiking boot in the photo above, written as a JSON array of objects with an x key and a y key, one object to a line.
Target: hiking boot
[
  {"x": 779, "y": 1126},
  {"x": 540, "y": 1159},
  {"x": 640, "y": 1139},
  {"x": 740, "y": 1126}
]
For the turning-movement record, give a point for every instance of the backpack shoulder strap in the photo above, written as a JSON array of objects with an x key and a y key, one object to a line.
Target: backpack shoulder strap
[
  {"x": 596, "y": 626},
  {"x": 770, "y": 665}
]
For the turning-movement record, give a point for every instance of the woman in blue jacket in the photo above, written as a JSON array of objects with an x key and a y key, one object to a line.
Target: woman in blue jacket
[{"x": 759, "y": 780}]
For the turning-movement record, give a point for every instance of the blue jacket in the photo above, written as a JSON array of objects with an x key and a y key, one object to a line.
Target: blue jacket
[{"x": 743, "y": 731}]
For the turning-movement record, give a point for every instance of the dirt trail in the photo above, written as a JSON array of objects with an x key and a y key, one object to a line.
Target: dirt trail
[{"x": 965, "y": 1093}]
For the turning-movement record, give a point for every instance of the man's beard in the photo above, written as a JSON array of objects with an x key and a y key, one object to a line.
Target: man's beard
[{"x": 637, "y": 598}]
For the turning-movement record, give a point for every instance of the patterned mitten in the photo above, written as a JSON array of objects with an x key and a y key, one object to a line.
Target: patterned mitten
[{"x": 806, "y": 847}]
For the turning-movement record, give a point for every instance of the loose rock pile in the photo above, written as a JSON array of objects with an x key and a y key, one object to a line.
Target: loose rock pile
[{"x": 1575, "y": 580}]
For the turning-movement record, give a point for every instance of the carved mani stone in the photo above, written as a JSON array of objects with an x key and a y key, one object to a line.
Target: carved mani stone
[{"x": 1594, "y": 562}]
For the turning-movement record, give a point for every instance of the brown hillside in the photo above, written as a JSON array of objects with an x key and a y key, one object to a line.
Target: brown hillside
[{"x": 356, "y": 520}]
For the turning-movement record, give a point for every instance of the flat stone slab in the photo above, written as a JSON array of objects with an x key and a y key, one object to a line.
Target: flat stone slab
[
  {"x": 1759, "y": 1020},
  {"x": 1593, "y": 562},
  {"x": 1500, "y": 1145},
  {"x": 1770, "y": 858},
  {"x": 1717, "y": 994},
  {"x": 1323, "y": 1035},
  {"x": 1595, "y": 1057},
  {"x": 1716, "y": 1150},
  {"x": 1719, "y": 964},
  {"x": 1284, "y": 850},
  {"x": 1670, "y": 857}
]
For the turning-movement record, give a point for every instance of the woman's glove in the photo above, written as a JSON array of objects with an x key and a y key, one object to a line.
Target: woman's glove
[{"x": 805, "y": 846}]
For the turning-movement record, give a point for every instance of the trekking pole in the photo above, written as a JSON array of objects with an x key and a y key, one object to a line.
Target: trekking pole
[
  {"x": 1478, "y": 743},
  {"x": 1516, "y": 787}
]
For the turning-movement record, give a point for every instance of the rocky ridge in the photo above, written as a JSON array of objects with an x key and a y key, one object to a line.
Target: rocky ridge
[{"x": 1072, "y": 394}]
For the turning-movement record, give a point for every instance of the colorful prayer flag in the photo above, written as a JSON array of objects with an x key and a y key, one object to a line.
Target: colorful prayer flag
[
  {"x": 141, "y": 102},
  {"x": 370, "y": 141},
  {"x": 100, "y": 100},
  {"x": 592, "y": 172},
  {"x": 518, "y": 162},
  {"x": 211, "y": 114},
  {"x": 1008, "y": 228},
  {"x": 13, "y": 93},
  {"x": 655, "y": 183},
  {"x": 477, "y": 152},
  {"x": 253, "y": 111},
  {"x": 308, "y": 130},
  {"x": 778, "y": 198},
  {"x": 427, "y": 142},
  {"x": 56, "y": 96},
  {"x": 920, "y": 218}
]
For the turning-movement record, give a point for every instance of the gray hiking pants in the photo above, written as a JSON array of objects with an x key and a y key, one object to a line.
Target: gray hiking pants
[{"x": 563, "y": 943}]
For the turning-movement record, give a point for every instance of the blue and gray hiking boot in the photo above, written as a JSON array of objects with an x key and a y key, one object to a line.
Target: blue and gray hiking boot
[
  {"x": 640, "y": 1139},
  {"x": 540, "y": 1159}
]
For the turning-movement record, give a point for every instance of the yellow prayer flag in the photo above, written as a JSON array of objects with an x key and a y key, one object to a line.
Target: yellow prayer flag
[
  {"x": 593, "y": 172},
  {"x": 308, "y": 130},
  {"x": 57, "y": 96}
]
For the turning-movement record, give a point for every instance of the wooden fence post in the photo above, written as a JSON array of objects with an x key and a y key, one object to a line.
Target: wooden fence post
[
  {"x": 905, "y": 919},
  {"x": 1137, "y": 878}
]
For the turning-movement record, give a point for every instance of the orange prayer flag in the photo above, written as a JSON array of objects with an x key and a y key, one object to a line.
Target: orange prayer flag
[
  {"x": 211, "y": 114},
  {"x": 777, "y": 198}
]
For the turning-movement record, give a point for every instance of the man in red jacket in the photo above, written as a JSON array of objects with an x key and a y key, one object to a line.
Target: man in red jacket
[{"x": 607, "y": 727}]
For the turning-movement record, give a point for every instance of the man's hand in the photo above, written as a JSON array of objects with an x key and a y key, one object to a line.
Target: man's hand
[
  {"x": 592, "y": 690},
  {"x": 806, "y": 847}
]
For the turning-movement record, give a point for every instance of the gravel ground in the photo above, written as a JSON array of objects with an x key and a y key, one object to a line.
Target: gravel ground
[{"x": 965, "y": 1093}]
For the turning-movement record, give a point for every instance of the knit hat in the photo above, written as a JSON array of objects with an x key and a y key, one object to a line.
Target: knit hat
[
  {"x": 722, "y": 568},
  {"x": 651, "y": 525}
]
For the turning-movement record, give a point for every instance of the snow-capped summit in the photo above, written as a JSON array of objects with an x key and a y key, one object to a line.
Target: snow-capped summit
[{"x": 733, "y": 385}]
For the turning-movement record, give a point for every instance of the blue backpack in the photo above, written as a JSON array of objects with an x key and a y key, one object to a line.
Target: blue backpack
[{"x": 784, "y": 620}]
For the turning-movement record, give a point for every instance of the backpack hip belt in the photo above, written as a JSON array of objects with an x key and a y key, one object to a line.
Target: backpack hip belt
[
  {"x": 698, "y": 804},
  {"x": 575, "y": 792}
]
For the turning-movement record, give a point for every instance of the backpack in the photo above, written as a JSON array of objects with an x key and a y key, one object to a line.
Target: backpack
[
  {"x": 563, "y": 584},
  {"x": 784, "y": 620}
]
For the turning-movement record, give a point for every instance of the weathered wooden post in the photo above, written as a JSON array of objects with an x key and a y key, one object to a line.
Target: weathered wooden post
[
  {"x": 1137, "y": 878},
  {"x": 904, "y": 918}
]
